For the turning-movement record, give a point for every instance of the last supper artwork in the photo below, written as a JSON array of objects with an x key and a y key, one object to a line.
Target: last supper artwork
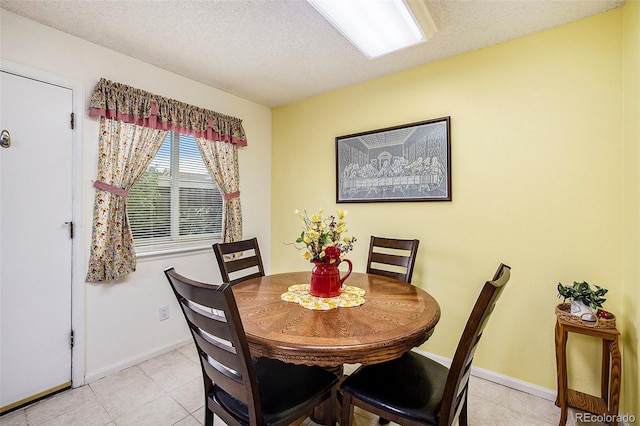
[{"x": 404, "y": 163}]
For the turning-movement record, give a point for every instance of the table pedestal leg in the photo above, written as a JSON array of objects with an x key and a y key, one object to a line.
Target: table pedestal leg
[{"x": 318, "y": 415}]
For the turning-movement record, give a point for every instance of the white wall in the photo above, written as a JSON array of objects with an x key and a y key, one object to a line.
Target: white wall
[{"x": 121, "y": 319}]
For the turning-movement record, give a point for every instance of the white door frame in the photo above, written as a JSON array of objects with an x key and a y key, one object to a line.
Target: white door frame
[{"x": 77, "y": 271}]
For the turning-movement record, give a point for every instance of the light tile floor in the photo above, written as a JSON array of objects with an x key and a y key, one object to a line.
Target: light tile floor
[{"x": 167, "y": 390}]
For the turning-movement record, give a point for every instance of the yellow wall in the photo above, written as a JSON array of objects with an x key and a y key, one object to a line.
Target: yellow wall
[
  {"x": 631, "y": 289},
  {"x": 537, "y": 173}
]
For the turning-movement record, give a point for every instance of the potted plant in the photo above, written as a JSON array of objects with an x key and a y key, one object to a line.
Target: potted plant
[{"x": 584, "y": 299}]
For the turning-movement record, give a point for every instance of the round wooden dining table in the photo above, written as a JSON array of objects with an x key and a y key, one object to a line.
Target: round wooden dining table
[{"x": 394, "y": 318}]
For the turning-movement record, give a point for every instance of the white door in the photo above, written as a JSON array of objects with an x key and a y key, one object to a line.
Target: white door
[{"x": 35, "y": 239}]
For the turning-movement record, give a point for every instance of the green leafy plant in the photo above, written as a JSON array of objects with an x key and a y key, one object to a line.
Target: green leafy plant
[{"x": 584, "y": 293}]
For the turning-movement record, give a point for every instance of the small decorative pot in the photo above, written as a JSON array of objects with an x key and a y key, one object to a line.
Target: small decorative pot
[
  {"x": 325, "y": 279},
  {"x": 585, "y": 312}
]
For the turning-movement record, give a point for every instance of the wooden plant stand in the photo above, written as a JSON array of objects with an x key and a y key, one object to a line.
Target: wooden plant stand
[{"x": 608, "y": 402}]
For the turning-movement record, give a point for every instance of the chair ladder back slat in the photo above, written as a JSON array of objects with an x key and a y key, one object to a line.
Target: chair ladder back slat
[
  {"x": 238, "y": 246},
  {"x": 395, "y": 275},
  {"x": 464, "y": 380},
  {"x": 206, "y": 322},
  {"x": 245, "y": 277},
  {"x": 242, "y": 263},
  {"x": 234, "y": 257},
  {"x": 469, "y": 356},
  {"x": 226, "y": 417},
  {"x": 200, "y": 295},
  {"x": 395, "y": 253},
  {"x": 231, "y": 383},
  {"x": 391, "y": 243},
  {"x": 225, "y": 355},
  {"x": 390, "y": 259}
]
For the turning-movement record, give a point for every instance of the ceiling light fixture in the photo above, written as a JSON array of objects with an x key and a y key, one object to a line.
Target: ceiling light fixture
[{"x": 378, "y": 27}]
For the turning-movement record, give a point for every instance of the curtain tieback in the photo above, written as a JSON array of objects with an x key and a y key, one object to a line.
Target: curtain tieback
[
  {"x": 110, "y": 188},
  {"x": 230, "y": 196}
]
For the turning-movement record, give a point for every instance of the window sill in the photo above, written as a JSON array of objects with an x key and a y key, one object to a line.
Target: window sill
[{"x": 154, "y": 252}]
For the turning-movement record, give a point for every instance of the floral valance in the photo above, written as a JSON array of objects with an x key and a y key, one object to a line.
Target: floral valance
[{"x": 121, "y": 102}]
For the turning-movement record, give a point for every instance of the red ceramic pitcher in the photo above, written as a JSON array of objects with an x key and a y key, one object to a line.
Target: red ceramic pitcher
[{"x": 325, "y": 278}]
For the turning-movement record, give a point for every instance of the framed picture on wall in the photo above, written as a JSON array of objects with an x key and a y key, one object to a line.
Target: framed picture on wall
[{"x": 410, "y": 162}]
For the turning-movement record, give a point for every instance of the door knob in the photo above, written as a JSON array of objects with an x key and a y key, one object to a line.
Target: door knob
[{"x": 5, "y": 139}]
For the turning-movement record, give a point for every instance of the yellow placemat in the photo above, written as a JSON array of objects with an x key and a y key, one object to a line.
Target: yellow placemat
[{"x": 299, "y": 293}]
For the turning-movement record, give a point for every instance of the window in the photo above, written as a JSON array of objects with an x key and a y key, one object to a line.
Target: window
[{"x": 175, "y": 200}]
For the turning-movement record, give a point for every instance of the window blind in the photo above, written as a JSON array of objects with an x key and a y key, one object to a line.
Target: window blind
[{"x": 175, "y": 200}]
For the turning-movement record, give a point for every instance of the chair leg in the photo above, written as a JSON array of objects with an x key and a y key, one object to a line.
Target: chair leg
[
  {"x": 347, "y": 410},
  {"x": 462, "y": 420},
  {"x": 330, "y": 410},
  {"x": 208, "y": 416}
]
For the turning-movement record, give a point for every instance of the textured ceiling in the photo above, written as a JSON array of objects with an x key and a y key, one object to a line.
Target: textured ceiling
[{"x": 275, "y": 52}]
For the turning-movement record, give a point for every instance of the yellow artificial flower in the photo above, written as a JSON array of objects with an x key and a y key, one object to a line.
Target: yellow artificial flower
[{"x": 320, "y": 233}]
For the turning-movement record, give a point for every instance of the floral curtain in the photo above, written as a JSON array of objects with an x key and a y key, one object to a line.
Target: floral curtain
[
  {"x": 126, "y": 150},
  {"x": 133, "y": 124},
  {"x": 222, "y": 162}
]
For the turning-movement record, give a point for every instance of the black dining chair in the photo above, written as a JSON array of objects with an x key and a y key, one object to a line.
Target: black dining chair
[
  {"x": 239, "y": 259},
  {"x": 414, "y": 389},
  {"x": 392, "y": 257},
  {"x": 239, "y": 389}
]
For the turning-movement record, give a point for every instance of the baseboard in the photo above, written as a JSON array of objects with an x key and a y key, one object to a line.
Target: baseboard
[
  {"x": 481, "y": 373},
  {"x": 114, "y": 368},
  {"x": 520, "y": 385}
]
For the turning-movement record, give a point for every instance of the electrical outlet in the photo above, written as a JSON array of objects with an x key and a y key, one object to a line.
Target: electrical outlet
[{"x": 163, "y": 312}]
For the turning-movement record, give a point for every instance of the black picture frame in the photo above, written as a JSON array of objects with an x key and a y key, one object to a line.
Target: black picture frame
[{"x": 410, "y": 162}]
